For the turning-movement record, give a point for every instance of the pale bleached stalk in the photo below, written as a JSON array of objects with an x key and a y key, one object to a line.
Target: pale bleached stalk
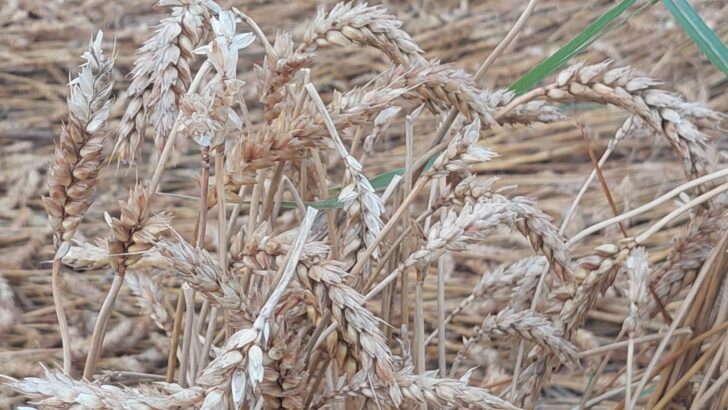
[
  {"x": 235, "y": 213},
  {"x": 687, "y": 303},
  {"x": 273, "y": 189},
  {"x": 721, "y": 355},
  {"x": 184, "y": 363},
  {"x": 644, "y": 236},
  {"x": 636, "y": 266},
  {"x": 200, "y": 230},
  {"x": 683, "y": 331},
  {"x": 77, "y": 158},
  {"x": 56, "y": 289},
  {"x": 419, "y": 324},
  {"x": 621, "y": 133},
  {"x": 441, "y": 271},
  {"x": 318, "y": 166},
  {"x": 253, "y": 218},
  {"x": 409, "y": 146},
  {"x": 701, "y": 401},
  {"x": 174, "y": 340},
  {"x": 209, "y": 335},
  {"x": 648, "y": 206},
  {"x": 102, "y": 321},
  {"x": 220, "y": 188}
]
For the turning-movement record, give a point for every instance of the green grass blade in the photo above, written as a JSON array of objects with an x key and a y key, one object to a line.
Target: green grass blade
[
  {"x": 572, "y": 48},
  {"x": 699, "y": 32}
]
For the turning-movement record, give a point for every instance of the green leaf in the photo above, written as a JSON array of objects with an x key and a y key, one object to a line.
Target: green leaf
[
  {"x": 382, "y": 181},
  {"x": 699, "y": 32},
  {"x": 572, "y": 48}
]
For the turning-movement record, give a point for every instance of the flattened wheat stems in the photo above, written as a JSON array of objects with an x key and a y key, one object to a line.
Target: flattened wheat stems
[{"x": 77, "y": 159}]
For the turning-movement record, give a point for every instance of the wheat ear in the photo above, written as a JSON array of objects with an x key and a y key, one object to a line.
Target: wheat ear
[
  {"x": 361, "y": 24},
  {"x": 161, "y": 76},
  {"x": 77, "y": 159}
]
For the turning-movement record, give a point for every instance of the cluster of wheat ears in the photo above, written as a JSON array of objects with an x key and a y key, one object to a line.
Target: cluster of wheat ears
[{"x": 298, "y": 307}]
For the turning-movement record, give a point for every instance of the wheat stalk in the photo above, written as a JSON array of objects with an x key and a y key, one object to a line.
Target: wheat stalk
[
  {"x": 132, "y": 233},
  {"x": 79, "y": 150}
]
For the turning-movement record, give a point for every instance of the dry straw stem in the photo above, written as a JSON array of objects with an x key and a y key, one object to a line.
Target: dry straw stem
[
  {"x": 423, "y": 389},
  {"x": 362, "y": 205},
  {"x": 666, "y": 113},
  {"x": 132, "y": 233},
  {"x": 162, "y": 75}
]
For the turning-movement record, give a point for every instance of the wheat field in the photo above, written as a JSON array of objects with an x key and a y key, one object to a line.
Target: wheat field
[{"x": 319, "y": 204}]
